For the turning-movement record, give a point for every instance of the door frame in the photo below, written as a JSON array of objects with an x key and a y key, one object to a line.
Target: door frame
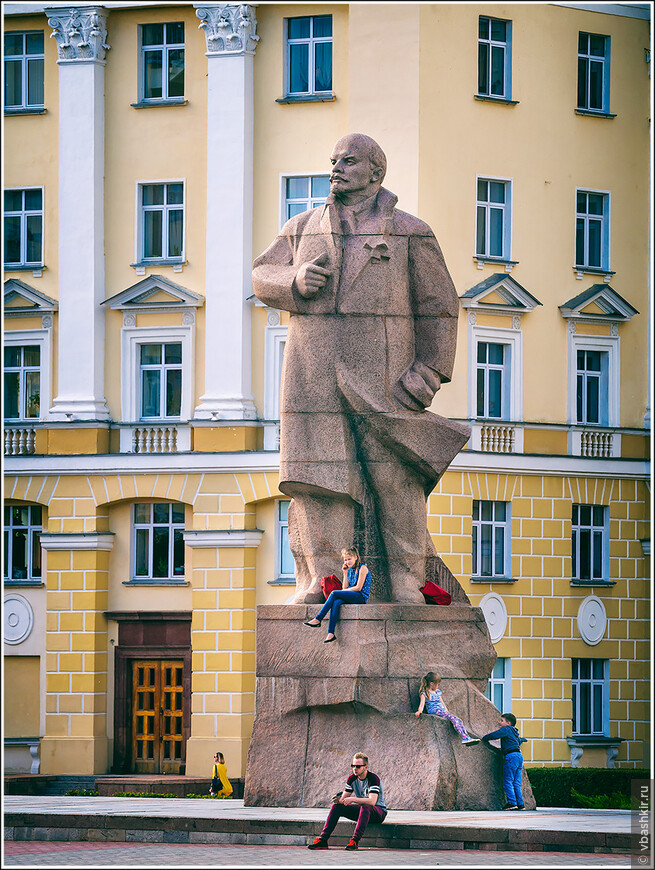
[{"x": 124, "y": 656}]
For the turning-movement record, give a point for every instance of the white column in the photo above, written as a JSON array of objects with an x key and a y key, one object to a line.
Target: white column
[
  {"x": 231, "y": 42},
  {"x": 81, "y": 34}
]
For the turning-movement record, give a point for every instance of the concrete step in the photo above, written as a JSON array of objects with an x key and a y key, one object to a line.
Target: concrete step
[
  {"x": 145, "y": 820},
  {"x": 61, "y": 785}
]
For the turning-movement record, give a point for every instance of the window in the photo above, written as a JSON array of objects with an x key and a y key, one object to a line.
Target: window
[
  {"x": 286, "y": 566},
  {"x": 161, "y": 390},
  {"x": 586, "y": 391},
  {"x": 162, "y": 221},
  {"x": 494, "y": 57},
  {"x": 274, "y": 344},
  {"x": 493, "y": 380},
  {"x": 162, "y": 71},
  {"x": 161, "y": 380},
  {"x": 593, "y": 72},
  {"x": 589, "y": 544},
  {"x": 309, "y": 55},
  {"x": 493, "y": 212},
  {"x": 23, "y": 222},
  {"x": 592, "y": 387},
  {"x": 24, "y": 70},
  {"x": 22, "y": 534},
  {"x": 592, "y": 230},
  {"x": 22, "y": 382},
  {"x": 590, "y": 696},
  {"x": 158, "y": 541},
  {"x": 491, "y": 539},
  {"x": 499, "y": 687},
  {"x": 302, "y": 192}
]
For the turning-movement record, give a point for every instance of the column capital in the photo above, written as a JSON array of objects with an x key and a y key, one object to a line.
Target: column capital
[
  {"x": 80, "y": 31},
  {"x": 230, "y": 28}
]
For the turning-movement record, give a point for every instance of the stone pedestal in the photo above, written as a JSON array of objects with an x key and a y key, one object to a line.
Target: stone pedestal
[{"x": 317, "y": 704}]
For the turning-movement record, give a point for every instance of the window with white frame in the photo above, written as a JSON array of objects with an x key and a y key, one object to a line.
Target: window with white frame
[
  {"x": 499, "y": 687},
  {"x": 493, "y": 362},
  {"x": 494, "y": 57},
  {"x": 23, "y": 525},
  {"x": 158, "y": 541},
  {"x": 592, "y": 387},
  {"x": 590, "y": 696},
  {"x": 22, "y": 382},
  {"x": 593, "y": 72},
  {"x": 166, "y": 354},
  {"x": 309, "y": 55},
  {"x": 492, "y": 537},
  {"x": 23, "y": 56},
  {"x": 592, "y": 226},
  {"x": 590, "y": 542},
  {"x": 162, "y": 61},
  {"x": 161, "y": 221},
  {"x": 161, "y": 380},
  {"x": 493, "y": 218},
  {"x": 285, "y": 565},
  {"x": 23, "y": 227},
  {"x": 302, "y": 192}
]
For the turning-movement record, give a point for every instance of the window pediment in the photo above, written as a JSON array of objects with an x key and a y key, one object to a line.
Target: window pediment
[
  {"x": 20, "y": 299},
  {"x": 599, "y": 303},
  {"x": 499, "y": 294},
  {"x": 155, "y": 293}
]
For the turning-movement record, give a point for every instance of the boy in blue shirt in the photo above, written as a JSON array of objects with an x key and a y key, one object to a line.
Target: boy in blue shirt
[{"x": 510, "y": 746}]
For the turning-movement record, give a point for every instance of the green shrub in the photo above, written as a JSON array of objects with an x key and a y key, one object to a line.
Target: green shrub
[
  {"x": 553, "y": 786},
  {"x": 82, "y": 792},
  {"x": 614, "y": 801}
]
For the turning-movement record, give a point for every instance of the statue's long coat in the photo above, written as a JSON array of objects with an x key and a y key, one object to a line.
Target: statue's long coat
[{"x": 389, "y": 302}]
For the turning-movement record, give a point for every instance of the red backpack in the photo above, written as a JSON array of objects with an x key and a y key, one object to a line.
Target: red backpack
[
  {"x": 434, "y": 594},
  {"x": 330, "y": 584}
]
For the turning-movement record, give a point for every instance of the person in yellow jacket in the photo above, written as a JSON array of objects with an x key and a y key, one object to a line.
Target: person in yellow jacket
[{"x": 221, "y": 785}]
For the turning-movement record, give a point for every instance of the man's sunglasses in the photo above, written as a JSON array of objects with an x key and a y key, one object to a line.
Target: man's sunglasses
[{"x": 358, "y": 765}]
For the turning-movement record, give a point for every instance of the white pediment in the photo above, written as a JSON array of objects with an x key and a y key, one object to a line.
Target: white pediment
[
  {"x": 499, "y": 294},
  {"x": 155, "y": 293},
  {"x": 21, "y": 300},
  {"x": 600, "y": 303}
]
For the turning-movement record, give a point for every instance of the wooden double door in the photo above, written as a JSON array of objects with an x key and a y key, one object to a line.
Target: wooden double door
[{"x": 157, "y": 715}]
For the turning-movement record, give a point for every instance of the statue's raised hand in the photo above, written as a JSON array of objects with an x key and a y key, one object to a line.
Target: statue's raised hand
[
  {"x": 417, "y": 386},
  {"x": 312, "y": 277}
]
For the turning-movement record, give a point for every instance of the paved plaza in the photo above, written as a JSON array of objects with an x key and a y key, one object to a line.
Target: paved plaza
[{"x": 145, "y": 832}]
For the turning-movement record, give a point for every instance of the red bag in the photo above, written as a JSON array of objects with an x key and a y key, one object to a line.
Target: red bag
[
  {"x": 434, "y": 594},
  {"x": 329, "y": 584}
]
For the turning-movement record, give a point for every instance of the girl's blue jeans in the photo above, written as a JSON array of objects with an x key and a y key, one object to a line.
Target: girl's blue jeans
[
  {"x": 512, "y": 767},
  {"x": 334, "y": 602}
]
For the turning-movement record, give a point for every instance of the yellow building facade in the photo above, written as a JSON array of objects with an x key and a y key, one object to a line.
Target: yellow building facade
[{"x": 151, "y": 151}]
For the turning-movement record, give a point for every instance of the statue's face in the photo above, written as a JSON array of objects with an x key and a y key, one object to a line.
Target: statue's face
[{"x": 352, "y": 171}]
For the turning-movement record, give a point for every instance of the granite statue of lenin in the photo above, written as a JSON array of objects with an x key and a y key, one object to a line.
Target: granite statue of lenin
[{"x": 371, "y": 339}]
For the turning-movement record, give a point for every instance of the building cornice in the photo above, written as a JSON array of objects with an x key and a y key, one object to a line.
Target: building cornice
[{"x": 269, "y": 461}]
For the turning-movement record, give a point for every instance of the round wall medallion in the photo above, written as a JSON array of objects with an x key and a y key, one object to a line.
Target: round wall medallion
[
  {"x": 592, "y": 620},
  {"x": 495, "y": 614},
  {"x": 19, "y": 618}
]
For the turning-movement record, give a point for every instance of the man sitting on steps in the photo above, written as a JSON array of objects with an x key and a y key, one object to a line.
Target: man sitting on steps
[{"x": 361, "y": 800}]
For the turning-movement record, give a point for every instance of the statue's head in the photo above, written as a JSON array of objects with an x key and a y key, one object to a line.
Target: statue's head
[{"x": 358, "y": 167}]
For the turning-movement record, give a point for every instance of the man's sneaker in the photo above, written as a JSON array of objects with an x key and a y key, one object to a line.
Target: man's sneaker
[
  {"x": 319, "y": 843},
  {"x": 510, "y": 807},
  {"x": 469, "y": 741},
  {"x": 352, "y": 846},
  {"x": 520, "y": 807}
]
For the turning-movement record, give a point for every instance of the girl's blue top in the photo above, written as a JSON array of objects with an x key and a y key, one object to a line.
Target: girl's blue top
[
  {"x": 433, "y": 702},
  {"x": 352, "y": 580}
]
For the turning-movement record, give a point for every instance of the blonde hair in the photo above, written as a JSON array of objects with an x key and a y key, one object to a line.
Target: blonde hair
[
  {"x": 430, "y": 677},
  {"x": 352, "y": 551},
  {"x": 362, "y": 756}
]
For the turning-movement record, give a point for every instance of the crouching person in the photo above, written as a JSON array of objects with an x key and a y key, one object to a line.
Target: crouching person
[{"x": 361, "y": 801}]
